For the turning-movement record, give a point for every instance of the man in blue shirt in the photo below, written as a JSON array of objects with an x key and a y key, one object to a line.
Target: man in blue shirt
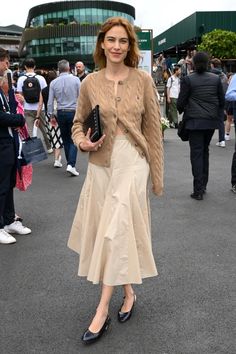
[
  {"x": 231, "y": 96},
  {"x": 65, "y": 91}
]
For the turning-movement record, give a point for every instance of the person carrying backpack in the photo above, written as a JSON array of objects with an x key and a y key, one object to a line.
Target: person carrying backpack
[{"x": 30, "y": 86}]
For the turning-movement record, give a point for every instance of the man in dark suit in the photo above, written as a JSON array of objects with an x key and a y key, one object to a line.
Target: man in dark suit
[
  {"x": 201, "y": 98},
  {"x": 80, "y": 70},
  {"x": 8, "y": 159}
]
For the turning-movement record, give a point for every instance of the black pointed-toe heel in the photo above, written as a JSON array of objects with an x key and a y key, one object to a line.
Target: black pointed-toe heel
[
  {"x": 90, "y": 337},
  {"x": 125, "y": 316}
]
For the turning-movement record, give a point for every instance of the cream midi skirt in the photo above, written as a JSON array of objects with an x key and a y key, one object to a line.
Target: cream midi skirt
[{"x": 111, "y": 228}]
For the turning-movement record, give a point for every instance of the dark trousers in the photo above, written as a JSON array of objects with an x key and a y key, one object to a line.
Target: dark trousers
[
  {"x": 7, "y": 181},
  {"x": 65, "y": 122},
  {"x": 233, "y": 166},
  {"x": 199, "y": 141},
  {"x": 221, "y": 128}
]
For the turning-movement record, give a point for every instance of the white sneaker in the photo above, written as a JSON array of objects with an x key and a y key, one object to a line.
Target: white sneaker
[
  {"x": 50, "y": 151},
  {"x": 72, "y": 170},
  {"x": 5, "y": 238},
  {"x": 221, "y": 143},
  {"x": 227, "y": 137},
  {"x": 17, "y": 228},
  {"x": 58, "y": 163}
]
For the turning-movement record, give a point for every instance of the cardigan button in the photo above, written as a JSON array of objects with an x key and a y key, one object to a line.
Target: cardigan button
[{"x": 118, "y": 99}]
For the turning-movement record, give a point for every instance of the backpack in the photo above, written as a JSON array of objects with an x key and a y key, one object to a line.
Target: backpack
[{"x": 31, "y": 89}]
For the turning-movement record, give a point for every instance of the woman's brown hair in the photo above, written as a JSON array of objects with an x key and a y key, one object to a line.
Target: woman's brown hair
[{"x": 133, "y": 55}]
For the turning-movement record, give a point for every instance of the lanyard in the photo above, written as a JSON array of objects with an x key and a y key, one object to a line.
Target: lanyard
[
  {"x": 6, "y": 109},
  {"x": 5, "y": 105}
]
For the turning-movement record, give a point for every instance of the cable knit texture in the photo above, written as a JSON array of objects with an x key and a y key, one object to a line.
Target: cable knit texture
[{"x": 135, "y": 108}]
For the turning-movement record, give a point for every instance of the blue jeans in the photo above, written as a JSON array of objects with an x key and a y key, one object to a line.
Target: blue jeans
[{"x": 65, "y": 122}]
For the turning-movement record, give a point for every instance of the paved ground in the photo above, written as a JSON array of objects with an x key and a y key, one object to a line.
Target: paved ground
[{"x": 188, "y": 309}]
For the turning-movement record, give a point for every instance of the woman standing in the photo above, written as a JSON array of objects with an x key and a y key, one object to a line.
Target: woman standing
[
  {"x": 201, "y": 98},
  {"x": 52, "y": 127},
  {"x": 111, "y": 228}
]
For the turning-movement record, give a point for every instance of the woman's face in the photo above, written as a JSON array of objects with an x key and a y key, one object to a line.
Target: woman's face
[
  {"x": 116, "y": 45},
  {"x": 4, "y": 64}
]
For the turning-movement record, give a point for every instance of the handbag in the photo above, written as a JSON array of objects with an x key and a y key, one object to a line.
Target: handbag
[
  {"x": 182, "y": 131},
  {"x": 24, "y": 177},
  {"x": 93, "y": 122},
  {"x": 31, "y": 151}
]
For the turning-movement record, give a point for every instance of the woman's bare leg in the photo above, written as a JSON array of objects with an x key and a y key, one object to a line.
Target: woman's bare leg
[
  {"x": 129, "y": 298},
  {"x": 228, "y": 124},
  {"x": 57, "y": 153},
  {"x": 102, "y": 309}
]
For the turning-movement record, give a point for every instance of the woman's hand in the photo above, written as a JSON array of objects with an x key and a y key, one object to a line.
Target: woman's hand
[
  {"x": 53, "y": 122},
  {"x": 37, "y": 122},
  {"x": 20, "y": 98},
  {"x": 88, "y": 145}
]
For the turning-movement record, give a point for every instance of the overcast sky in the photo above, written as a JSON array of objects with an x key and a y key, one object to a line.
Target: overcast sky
[{"x": 150, "y": 14}]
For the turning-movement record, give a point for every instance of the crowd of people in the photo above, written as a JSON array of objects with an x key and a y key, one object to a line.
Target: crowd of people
[
  {"x": 32, "y": 98},
  {"x": 111, "y": 228},
  {"x": 172, "y": 80}
]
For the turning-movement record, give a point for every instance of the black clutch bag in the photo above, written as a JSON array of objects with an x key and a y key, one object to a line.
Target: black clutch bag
[{"x": 93, "y": 122}]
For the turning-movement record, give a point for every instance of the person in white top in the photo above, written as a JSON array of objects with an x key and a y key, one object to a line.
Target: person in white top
[
  {"x": 173, "y": 88},
  {"x": 33, "y": 107}
]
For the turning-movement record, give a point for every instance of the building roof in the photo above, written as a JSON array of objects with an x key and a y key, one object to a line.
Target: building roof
[
  {"x": 11, "y": 29},
  {"x": 189, "y": 30}
]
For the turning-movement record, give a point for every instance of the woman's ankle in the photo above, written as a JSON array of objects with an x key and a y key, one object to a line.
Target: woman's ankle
[
  {"x": 102, "y": 311},
  {"x": 128, "y": 293}
]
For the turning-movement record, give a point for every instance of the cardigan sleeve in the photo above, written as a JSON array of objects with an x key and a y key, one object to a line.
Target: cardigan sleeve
[
  {"x": 152, "y": 131},
  {"x": 82, "y": 111}
]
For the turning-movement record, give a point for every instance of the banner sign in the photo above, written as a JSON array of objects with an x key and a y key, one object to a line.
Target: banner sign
[{"x": 145, "y": 46}]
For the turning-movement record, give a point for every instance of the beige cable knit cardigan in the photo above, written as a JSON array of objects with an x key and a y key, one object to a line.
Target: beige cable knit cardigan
[{"x": 137, "y": 109}]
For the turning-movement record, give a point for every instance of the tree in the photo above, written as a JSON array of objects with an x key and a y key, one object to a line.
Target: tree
[{"x": 219, "y": 43}]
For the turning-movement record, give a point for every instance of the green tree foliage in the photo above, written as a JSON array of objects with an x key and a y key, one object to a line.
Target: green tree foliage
[{"x": 219, "y": 43}]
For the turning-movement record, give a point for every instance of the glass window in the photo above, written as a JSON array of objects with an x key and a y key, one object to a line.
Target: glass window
[
  {"x": 88, "y": 15},
  {"x": 58, "y": 49},
  {"x": 82, "y": 16},
  {"x": 53, "y": 50},
  {"x": 100, "y": 16}
]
